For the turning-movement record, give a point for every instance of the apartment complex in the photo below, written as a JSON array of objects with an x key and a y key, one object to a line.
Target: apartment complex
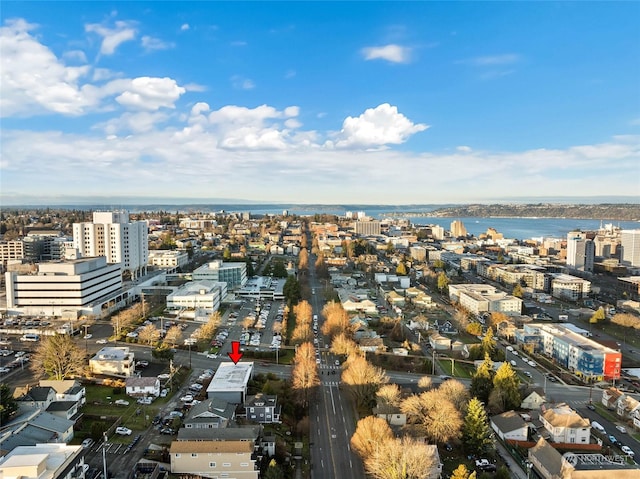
[
  {"x": 457, "y": 229},
  {"x": 112, "y": 235},
  {"x": 571, "y": 288},
  {"x": 482, "y": 298},
  {"x": 83, "y": 285},
  {"x": 572, "y": 350},
  {"x": 581, "y": 251},
  {"x": 214, "y": 459},
  {"x": 234, "y": 274},
  {"x": 367, "y": 228}
]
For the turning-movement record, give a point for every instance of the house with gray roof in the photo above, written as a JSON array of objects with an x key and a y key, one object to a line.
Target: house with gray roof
[
  {"x": 37, "y": 427},
  {"x": 34, "y": 398},
  {"x": 141, "y": 387},
  {"x": 534, "y": 399},
  {"x": 509, "y": 426},
  {"x": 231, "y": 433},
  {"x": 67, "y": 390},
  {"x": 211, "y": 413},
  {"x": 64, "y": 409},
  {"x": 263, "y": 408}
]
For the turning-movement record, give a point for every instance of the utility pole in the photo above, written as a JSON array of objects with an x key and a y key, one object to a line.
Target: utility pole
[{"x": 104, "y": 455}]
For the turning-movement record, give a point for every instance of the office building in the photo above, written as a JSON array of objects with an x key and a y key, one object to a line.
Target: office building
[
  {"x": 83, "y": 285},
  {"x": 580, "y": 251},
  {"x": 457, "y": 229},
  {"x": 630, "y": 242},
  {"x": 234, "y": 274},
  {"x": 112, "y": 235}
]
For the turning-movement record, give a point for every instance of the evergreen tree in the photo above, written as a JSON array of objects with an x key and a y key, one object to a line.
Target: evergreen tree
[
  {"x": 507, "y": 384},
  {"x": 476, "y": 433},
  {"x": 488, "y": 343},
  {"x": 482, "y": 380},
  {"x": 291, "y": 290},
  {"x": 8, "y": 405}
]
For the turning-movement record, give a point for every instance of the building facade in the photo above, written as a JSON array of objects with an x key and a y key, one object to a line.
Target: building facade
[
  {"x": 571, "y": 288},
  {"x": 234, "y": 274},
  {"x": 83, "y": 285},
  {"x": 113, "y": 361},
  {"x": 168, "y": 259},
  {"x": 630, "y": 242},
  {"x": 112, "y": 235}
]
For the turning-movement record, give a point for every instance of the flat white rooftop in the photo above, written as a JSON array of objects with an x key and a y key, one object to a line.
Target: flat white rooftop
[{"x": 231, "y": 377}]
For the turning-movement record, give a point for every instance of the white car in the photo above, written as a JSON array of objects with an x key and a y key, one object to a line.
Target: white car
[
  {"x": 87, "y": 443},
  {"x": 622, "y": 429},
  {"x": 121, "y": 402},
  {"x": 145, "y": 400},
  {"x": 187, "y": 398},
  {"x": 212, "y": 356},
  {"x": 627, "y": 450},
  {"x": 123, "y": 431},
  {"x": 4, "y": 370},
  {"x": 163, "y": 393},
  {"x": 101, "y": 341},
  {"x": 164, "y": 376},
  {"x": 88, "y": 336}
]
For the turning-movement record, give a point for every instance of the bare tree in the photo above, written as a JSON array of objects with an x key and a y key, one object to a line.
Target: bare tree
[
  {"x": 457, "y": 394},
  {"x": 59, "y": 357},
  {"x": 363, "y": 380},
  {"x": 341, "y": 344},
  {"x": 336, "y": 320},
  {"x": 388, "y": 399},
  {"x": 126, "y": 318},
  {"x": 434, "y": 415},
  {"x": 304, "y": 375},
  {"x": 149, "y": 334},
  {"x": 370, "y": 432},
  {"x": 405, "y": 458},
  {"x": 173, "y": 336},
  {"x": 425, "y": 382}
]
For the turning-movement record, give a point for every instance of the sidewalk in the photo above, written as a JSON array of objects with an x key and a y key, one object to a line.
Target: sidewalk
[{"x": 515, "y": 471}]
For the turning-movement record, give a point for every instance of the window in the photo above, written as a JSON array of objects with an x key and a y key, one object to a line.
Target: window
[
  {"x": 212, "y": 464},
  {"x": 194, "y": 454},
  {"x": 177, "y": 455},
  {"x": 244, "y": 464},
  {"x": 226, "y": 464}
]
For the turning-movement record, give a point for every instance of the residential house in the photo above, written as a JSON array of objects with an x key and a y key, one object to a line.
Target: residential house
[
  {"x": 509, "y": 426},
  {"x": 263, "y": 408},
  {"x": 210, "y": 414},
  {"x": 392, "y": 414},
  {"x": 145, "y": 386},
  {"x": 64, "y": 409},
  {"x": 534, "y": 400},
  {"x": 371, "y": 345},
  {"x": 214, "y": 459},
  {"x": 439, "y": 342},
  {"x": 610, "y": 398},
  {"x": 627, "y": 406},
  {"x": 565, "y": 425},
  {"x": 34, "y": 398},
  {"x": 67, "y": 390},
  {"x": 37, "y": 427}
]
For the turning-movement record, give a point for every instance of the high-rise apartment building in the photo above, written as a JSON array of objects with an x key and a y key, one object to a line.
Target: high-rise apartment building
[
  {"x": 113, "y": 236},
  {"x": 367, "y": 228},
  {"x": 630, "y": 242},
  {"x": 581, "y": 251},
  {"x": 458, "y": 229}
]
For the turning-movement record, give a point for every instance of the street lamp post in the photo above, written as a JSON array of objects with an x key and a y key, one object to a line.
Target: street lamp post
[{"x": 104, "y": 455}]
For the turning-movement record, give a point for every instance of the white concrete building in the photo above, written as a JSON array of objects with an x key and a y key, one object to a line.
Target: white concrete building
[
  {"x": 230, "y": 382},
  {"x": 204, "y": 295},
  {"x": 84, "y": 285},
  {"x": 169, "y": 259},
  {"x": 482, "y": 298},
  {"x": 113, "y": 361},
  {"x": 112, "y": 235},
  {"x": 43, "y": 461}
]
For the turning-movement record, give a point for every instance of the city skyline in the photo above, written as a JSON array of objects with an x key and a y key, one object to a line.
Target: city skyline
[{"x": 351, "y": 102}]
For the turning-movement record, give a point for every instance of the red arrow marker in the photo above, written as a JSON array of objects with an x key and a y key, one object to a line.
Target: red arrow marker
[{"x": 235, "y": 353}]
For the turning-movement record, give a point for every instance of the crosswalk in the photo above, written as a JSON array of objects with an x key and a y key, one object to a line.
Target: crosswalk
[{"x": 331, "y": 383}]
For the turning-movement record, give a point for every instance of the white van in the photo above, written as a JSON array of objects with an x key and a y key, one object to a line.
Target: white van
[
  {"x": 30, "y": 338},
  {"x": 598, "y": 427}
]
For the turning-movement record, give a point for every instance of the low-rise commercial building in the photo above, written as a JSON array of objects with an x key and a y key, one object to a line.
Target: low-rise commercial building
[
  {"x": 230, "y": 382},
  {"x": 113, "y": 361},
  {"x": 43, "y": 461}
]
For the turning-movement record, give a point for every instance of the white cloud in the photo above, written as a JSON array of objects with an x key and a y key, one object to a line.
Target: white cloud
[
  {"x": 139, "y": 122},
  {"x": 240, "y": 83},
  {"x": 464, "y": 149},
  {"x": 493, "y": 60},
  {"x": 112, "y": 38},
  {"x": 184, "y": 27},
  {"x": 151, "y": 44},
  {"x": 75, "y": 55},
  {"x": 148, "y": 93},
  {"x": 33, "y": 80},
  {"x": 392, "y": 53},
  {"x": 375, "y": 128}
]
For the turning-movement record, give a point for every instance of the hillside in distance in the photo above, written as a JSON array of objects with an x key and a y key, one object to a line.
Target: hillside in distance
[{"x": 620, "y": 212}]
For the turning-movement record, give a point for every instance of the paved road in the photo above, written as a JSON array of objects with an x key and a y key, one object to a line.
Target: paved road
[{"x": 332, "y": 418}]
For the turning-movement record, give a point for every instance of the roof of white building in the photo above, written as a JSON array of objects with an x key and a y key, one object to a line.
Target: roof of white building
[{"x": 231, "y": 377}]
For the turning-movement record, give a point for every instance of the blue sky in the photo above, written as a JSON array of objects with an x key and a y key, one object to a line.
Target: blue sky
[{"x": 320, "y": 102}]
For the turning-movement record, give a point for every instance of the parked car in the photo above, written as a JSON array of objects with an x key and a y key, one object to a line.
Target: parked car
[
  {"x": 187, "y": 398},
  {"x": 88, "y": 336},
  {"x": 101, "y": 341},
  {"x": 121, "y": 402},
  {"x": 591, "y": 407},
  {"x": 87, "y": 443},
  {"x": 627, "y": 450},
  {"x": 622, "y": 429},
  {"x": 163, "y": 393},
  {"x": 123, "y": 431},
  {"x": 145, "y": 400},
  {"x": 164, "y": 376}
]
